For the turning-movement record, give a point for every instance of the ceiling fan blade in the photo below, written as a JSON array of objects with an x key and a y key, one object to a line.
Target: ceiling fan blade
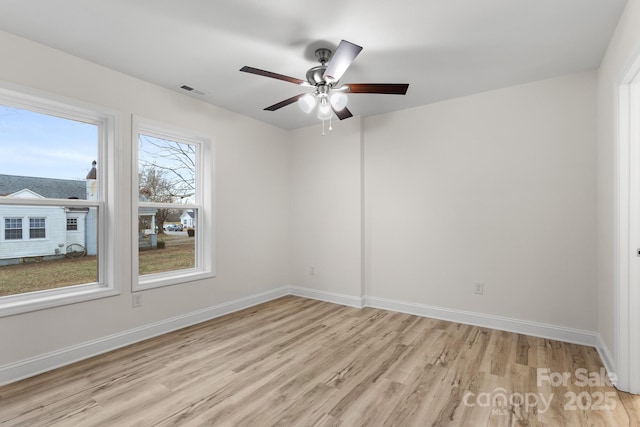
[
  {"x": 272, "y": 75},
  {"x": 342, "y": 114},
  {"x": 383, "y": 88},
  {"x": 284, "y": 103},
  {"x": 341, "y": 60}
]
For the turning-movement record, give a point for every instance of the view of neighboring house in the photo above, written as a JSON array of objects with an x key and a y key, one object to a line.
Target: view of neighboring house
[
  {"x": 46, "y": 231},
  {"x": 188, "y": 219}
]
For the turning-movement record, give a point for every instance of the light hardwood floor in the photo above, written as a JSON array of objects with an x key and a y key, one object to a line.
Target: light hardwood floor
[{"x": 300, "y": 362}]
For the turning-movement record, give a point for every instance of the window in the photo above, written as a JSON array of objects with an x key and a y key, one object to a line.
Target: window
[
  {"x": 37, "y": 228},
  {"x": 56, "y": 160},
  {"x": 72, "y": 224},
  {"x": 171, "y": 189},
  {"x": 13, "y": 228}
]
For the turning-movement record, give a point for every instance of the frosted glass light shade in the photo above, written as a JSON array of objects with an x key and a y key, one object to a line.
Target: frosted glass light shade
[
  {"x": 324, "y": 111},
  {"x": 307, "y": 103},
  {"x": 338, "y": 100}
]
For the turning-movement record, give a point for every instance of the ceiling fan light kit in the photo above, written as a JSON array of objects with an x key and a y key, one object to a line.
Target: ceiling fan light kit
[
  {"x": 324, "y": 110},
  {"x": 307, "y": 103},
  {"x": 329, "y": 96},
  {"x": 338, "y": 100}
]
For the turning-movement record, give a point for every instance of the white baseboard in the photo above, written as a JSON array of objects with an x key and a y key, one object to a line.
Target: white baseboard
[
  {"x": 605, "y": 355},
  {"x": 343, "y": 299},
  {"x": 543, "y": 330},
  {"x": 46, "y": 362}
]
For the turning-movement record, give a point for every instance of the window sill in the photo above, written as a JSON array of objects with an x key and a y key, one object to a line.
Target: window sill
[
  {"x": 159, "y": 280},
  {"x": 40, "y": 300}
]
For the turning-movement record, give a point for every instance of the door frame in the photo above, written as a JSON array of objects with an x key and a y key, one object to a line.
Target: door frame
[{"x": 627, "y": 324}]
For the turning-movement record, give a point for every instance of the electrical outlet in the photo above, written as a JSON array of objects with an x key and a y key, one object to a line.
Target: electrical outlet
[
  {"x": 137, "y": 300},
  {"x": 478, "y": 288}
]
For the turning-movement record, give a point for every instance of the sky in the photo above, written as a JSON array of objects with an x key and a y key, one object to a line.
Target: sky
[{"x": 34, "y": 144}]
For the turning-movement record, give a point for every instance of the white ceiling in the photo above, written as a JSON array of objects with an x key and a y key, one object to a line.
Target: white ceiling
[{"x": 442, "y": 48}]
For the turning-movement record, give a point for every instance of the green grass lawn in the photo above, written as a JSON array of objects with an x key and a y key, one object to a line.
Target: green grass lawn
[{"x": 178, "y": 254}]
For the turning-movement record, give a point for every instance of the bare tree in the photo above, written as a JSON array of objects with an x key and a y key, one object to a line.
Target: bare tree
[
  {"x": 155, "y": 187},
  {"x": 177, "y": 160},
  {"x": 167, "y": 172}
]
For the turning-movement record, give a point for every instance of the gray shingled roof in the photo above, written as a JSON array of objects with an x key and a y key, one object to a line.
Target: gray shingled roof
[{"x": 46, "y": 187}]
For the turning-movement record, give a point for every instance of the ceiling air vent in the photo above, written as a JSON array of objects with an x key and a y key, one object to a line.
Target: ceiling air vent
[{"x": 192, "y": 90}]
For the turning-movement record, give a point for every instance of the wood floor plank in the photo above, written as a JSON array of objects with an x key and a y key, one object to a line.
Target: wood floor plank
[
  {"x": 419, "y": 398},
  {"x": 301, "y": 362}
]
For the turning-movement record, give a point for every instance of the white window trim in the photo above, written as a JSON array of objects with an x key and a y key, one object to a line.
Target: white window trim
[
  {"x": 205, "y": 248},
  {"x": 109, "y": 125}
]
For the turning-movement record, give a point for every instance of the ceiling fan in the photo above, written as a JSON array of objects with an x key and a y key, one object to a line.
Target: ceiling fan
[{"x": 329, "y": 95}]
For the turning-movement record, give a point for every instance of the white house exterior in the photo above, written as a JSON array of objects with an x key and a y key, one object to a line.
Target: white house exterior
[
  {"x": 188, "y": 219},
  {"x": 46, "y": 231}
]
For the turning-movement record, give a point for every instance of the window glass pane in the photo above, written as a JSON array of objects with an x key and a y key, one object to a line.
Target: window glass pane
[
  {"x": 167, "y": 179},
  {"x": 47, "y": 157},
  {"x": 37, "y": 228},
  {"x": 72, "y": 224},
  {"x": 12, "y": 228},
  {"x": 173, "y": 249},
  {"x": 166, "y": 170}
]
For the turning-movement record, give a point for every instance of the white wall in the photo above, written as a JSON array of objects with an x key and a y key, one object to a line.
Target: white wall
[
  {"x": 496, "y": 188},
  {"x": 251, "y": 192},
  {"x": 326, "y": 208},
  {"x": 623, "y": 49}
]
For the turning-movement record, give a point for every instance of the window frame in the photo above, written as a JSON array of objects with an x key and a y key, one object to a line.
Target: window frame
[
  {"x": 43, "y": 228},
  {"x": 73, "y": 221},
  {"x": 5, "y": 228},
  {"x": 108, "y": 123},
  {"x": 204, "y": 253}
]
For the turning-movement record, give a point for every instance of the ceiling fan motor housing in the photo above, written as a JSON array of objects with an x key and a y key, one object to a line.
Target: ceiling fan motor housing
[{"x": 315, "y": 75}]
